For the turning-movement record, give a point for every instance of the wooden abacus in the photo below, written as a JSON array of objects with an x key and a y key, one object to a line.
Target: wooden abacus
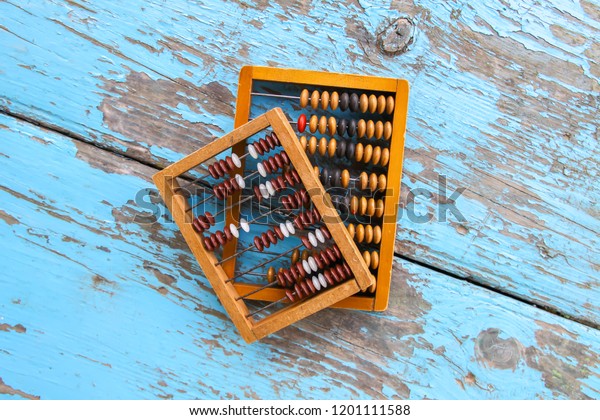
[
  {"x": 332, "y": 271},
  {"x": 365, "y": 120}
]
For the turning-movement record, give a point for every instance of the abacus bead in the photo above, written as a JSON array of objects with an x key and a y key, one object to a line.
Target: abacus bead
[
  {"x": 379, "y": 130},
  {"x": 258, "y": 243},
  {"x": 370, "y": 207},
  {"x": 328, "y": 277},
  {"x": 208, "y": 244},
  {"x": 301, "y": 124},
  {"x": 312, "y": 123},
  {"x": 299, "y": 292},
  {"x": 324, "y": 99},
  {"x": 376, "y": 234},
  {"x": 354, "y": 204},
  {"x": 341, "y": 148},
  {"x": 210, "y": 217},
  {"x": 341, "y": 128},
  {"x": 276, "y": 139},
  {"x": 360, "y": 233},
  {"x": 337, "y": 251},
  {"x": 344, "y": 101},
  {"x": 336, "y": 176},
  {"x": 325, "y": 232},
  {"x": 312, "y": 145},
  {"x": 361, "y": 128},
  {"x": 354, "y": 102},
  {"x": 268, "y": 238},
  {"x": 379, "y": 208},
  {"x": 372, "y": 103},
  {"x": 331, "y": 125},
  {"x": 381, "y": 104},
  {"x": 289, "y": 279},
  {"x": 213, "y": 172},
  {"x": 352, "y": 127},
  {"x": 314, "y": 99},
  {"x": 370, "y": 129},
  {"x": 362, "y": 206},
  {"x": 368, "y": 234},
  {"x": 387, "y": 130},
  {"x": 331, "y": 146},
  {"x": 279, "y": 232},
  {"x": 345, "y": 178},
  {"x": 376, "y": 155},
  {"x": 374, "y": 260},
  {"x": 350, "y": 146},
  {"x": 368, "y": 153},
  {"x": 300, "y": 269},
  {"x": 228, "y": 233},
  {"x": 322, "y": 146},
  {"x": 290, "y": 295},
  {"x": 271, "y": 274},
  {"x": 304, "y": 98},
  {"x": 364, "y": 179},
  {"x": 305, "y": 254},
  {"x": 306, "y": 242},
  {"x": 381, "y": 182},
  {"x": 367, "y": 257},
  {"x": 325, "y": 176},
  {"x": 385, "y": 156},
  {"x": 358, "y": 154},
  {"x": 373, "y": 181},
  {"x": 322, "y": 126},
  {"x": 389, "y": 105},
  {"x": 335, "y": 100},
  {"x": 317, "y": 171},
  {"x": 295, "y": 256},
  {"x": 364, "y": 103},
  {"x": 312, "y": 287},
  {"x": 351, "y": 230}
]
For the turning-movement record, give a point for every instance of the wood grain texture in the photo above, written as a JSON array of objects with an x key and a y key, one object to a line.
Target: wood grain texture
[
  {"x": 99, "y": 302},
  {"x": 504, "y": 104}
]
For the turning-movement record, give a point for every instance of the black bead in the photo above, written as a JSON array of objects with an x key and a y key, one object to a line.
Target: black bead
[
  {"x": 336, "y": 175},
  {"x": 341, "y": 148},
  {"x": 344, "y": 101},
  {"x": 325, "y": 177},
  {"x": 350, "y": 150},
  {"x": 354, "y": 102},
  {"x": 341, "y": 128},
  {"x": 352, "y": 127}
]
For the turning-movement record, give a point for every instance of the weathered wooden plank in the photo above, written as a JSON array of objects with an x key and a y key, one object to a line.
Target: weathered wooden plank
[
  {"x": 504, "y": 103},
  {"x": 98, "y": 303}
]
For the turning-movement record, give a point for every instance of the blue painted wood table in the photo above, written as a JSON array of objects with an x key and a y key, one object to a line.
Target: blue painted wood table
[{"x": 495, "y": 287}]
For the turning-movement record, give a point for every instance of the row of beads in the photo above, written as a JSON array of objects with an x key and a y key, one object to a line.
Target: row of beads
[
  {"x": 300, "y": 269},
  {"x": 353, "y": 151},
  {"x": 361, "y": 206},
  {"x": 364, "y": 103},
  {"x": 341, "y": 178},
  {"x": 308, "y": 287},
  {"x": 273, "y": 186},
  {"x": 364, "y": 233},
  {"x": 367, "y": 129}
]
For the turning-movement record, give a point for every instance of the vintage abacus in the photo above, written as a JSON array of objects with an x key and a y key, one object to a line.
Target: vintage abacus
[
  {"x": 359, "y": 162},
  {"x": 255, "y": 169}
]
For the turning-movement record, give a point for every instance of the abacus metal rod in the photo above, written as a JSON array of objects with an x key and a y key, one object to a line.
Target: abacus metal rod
[
  {"x": 266, "y": 307},
  {"x": 250, "y": 293},
  {"x": 263, "y": 264},
  {"x": 275, "y": 95}
]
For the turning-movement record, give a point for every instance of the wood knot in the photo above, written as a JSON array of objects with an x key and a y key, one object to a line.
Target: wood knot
[
  {"x": 396, "y": 37},
  {"x": 498, "y": 353}
]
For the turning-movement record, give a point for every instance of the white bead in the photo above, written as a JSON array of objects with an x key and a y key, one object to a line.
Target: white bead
[
  {"x": 322, "y": 280},
  {"x": 234, "y": 231},
  {"x": 270, "y": 188},
  {"x": 315, "y": 282},
  {"x": 284, "y": 230},
  {"x": 290, "y": 227},
  {"x": 244, "y": 225},
  {"x": 306, "y": 267},
  {"x": 312, "y": 239},
  {"x": 261, "y": 169},
  {"x": 236, "y": 160},
  {"x": 240, "y": 181},
  {"x": 252, "y": 151},
  {"x": 320, "y": 236},
  {"x": 263, "y": 191},
  {"x": 313, "y": 264}
]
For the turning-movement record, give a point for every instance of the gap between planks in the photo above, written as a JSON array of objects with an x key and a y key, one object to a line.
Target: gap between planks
[{"x": 77, "y": 137}]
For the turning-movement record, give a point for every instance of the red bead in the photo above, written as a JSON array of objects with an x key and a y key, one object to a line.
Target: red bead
[
  {"x": 277, "y": 142},
  {"x": 290, "y": 295},
  {"x": 210, "y": 218},
  {"x": 258, "y": 244},
  {"x": 301, "y": 123}
]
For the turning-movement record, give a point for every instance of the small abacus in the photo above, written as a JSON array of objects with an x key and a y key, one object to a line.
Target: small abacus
[
  {"x": 324, "y": 265},
  {"x": 352, "y": 130}
]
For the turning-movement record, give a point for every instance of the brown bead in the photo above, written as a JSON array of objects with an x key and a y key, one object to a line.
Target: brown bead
[
  {"x": 378, "y": 129},
  {"x": 380, "y": 104},
  {"x": 381, "y": 182},
  {"x": 271, "y": 274},
  {"x": 360, "y": 233},
  {"x": 322, "y": 146},
  {"x": 372, "y": 287},
  {"x": 304, "y": 98},
  {"x": 372, "y": 103},
  {"x": 379, "y": 208},
  {"x": 345, "y": 178},
  {"x": 358, "y": 152},
  {"x": 312, "y": 123},
  {"x": 387, "y": 130},
  {"x": 351, "y": 230},
  {"x": 322, "y": 124},
  {"x": 370, "y": 207},
  {"x": 373, "y": 181},
  {"x": 334, "y": 100},
  {"x": 305, "y": 255},
  {"x": 368, "y": 234},
  {"x": 331, "y": 147},
  {"x": 376, "y": 155},
  {"x": 364, "y": 103},
  {"x": 389, "y": 105},
  {"x": 367, "y": 153},
  {"x": 361, "y": 128},
  {"x": 376, "y": 234},
  {"x": 363, "y": 179},
  {"x": 367, "y": 257},
  {"x": 385, "y": 156},
  {"x": 374, "y": 260},
  {"x": 363, "y": 205},
  {"x": 354, "y": 204},
  {"x": 295, "y": 256},
  {"x": 332, "y": 125},
  {"x": 303, "y": 142},
  {"x": 312, "y": 145},
  {"x": 314, "y": 99},
  {"x": 324, "y": 99},
  {"x": 370, "y": 129}
]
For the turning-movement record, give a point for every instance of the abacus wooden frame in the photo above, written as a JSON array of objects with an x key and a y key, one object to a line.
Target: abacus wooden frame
[
  {"x": 397, "y": 87},
  {"x": 251, "y": 330}
]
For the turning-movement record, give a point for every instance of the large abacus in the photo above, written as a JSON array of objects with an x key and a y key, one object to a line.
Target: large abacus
[
  {"x": 246, "y": 176},
  {"x": 352, "y": 129}
]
